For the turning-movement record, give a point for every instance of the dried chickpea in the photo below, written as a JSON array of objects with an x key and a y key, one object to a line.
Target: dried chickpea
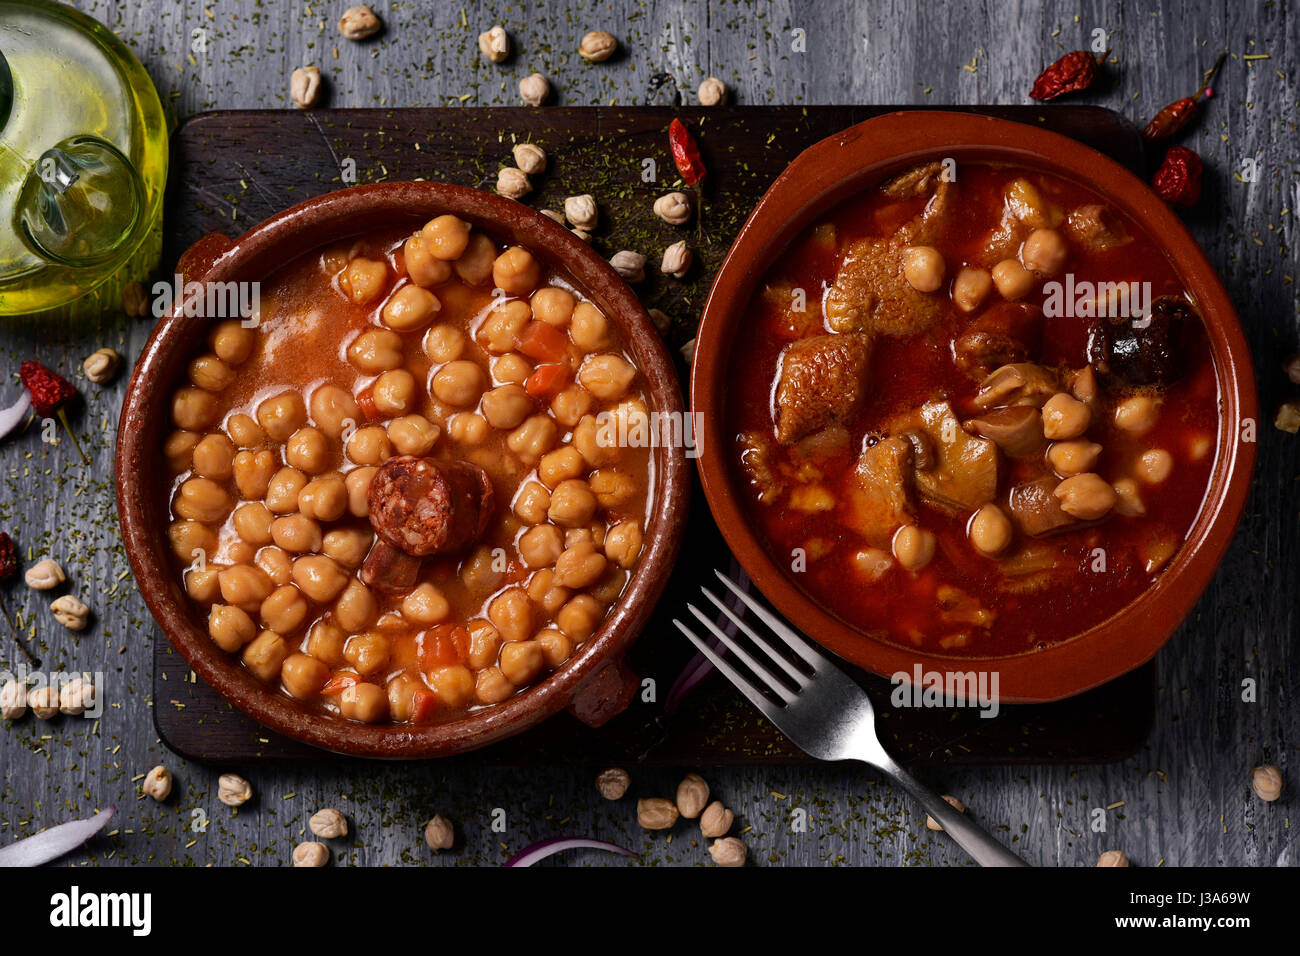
[
  {"x": 321, "y": 579},
  {"x": 265, "y": 655},
  {"x": 410, "y": 308},
  {"x": 375, "y": 351}
]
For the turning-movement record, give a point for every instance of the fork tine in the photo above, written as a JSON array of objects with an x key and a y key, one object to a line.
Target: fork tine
[
  {"x": 742, "y": 683},
  {"x": 783, "y": 630},
  {"x": 764, "y": 674},
  {"x": 765, "y": 643}
]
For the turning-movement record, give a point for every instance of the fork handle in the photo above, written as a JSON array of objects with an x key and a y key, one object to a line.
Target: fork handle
[{"x": 983, "y": 848}]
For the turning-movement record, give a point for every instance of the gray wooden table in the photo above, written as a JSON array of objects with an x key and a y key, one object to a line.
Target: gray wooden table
[{"x": 1184, "y": 799}]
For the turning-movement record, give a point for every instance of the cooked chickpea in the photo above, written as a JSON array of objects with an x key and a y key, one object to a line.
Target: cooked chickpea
[
  {"x": 193, "y": 409},
  {"x": 230, "y": 627},
  {"x": 413, "y": 435},
  {"x": 375, "y": 351},
  {"x": 503, "y": 324},
  {"x": 282, "y": 491},
  {"x": 402, "y": 690},
  {"x": 913, "y": 547},
  {"x": 444, "y": 343},
  {"x": 394, "y": 392},
  {"x": 506, "y": 406},
  {"x": 570, "y": 405},
  {"x": 203, "y": 585},
  {"x": 612, "y": 488},
  {"x": 296, "y": 534},
  {"x": 284, "y": 610},
  {"x": 623, "y": 543},
  {"x": 332, "y": 408},
  {"x": 1044, "y": 252},
  {"x": 1074, "y": 457},
  {"x": 1065, "y": 417},
  {"x": 1128, "y": 500},
  {"x": 531, "y": 503},
  {"x": 232, "y": 342},
  {"x": 580, "y": 617},
  {"x": 368, "y": 652},
  {"x": 453, "y": 685},
  {"x": 363, "y": 280},
  {"x": 370, "y": 446},
  {"x": 560, "y": 465},
  {"x": 589, "y": 328},
  {"x": 244, "y": 431},
  {"x": 252, "y": 522},
  {"x": 541, "y": 545},
  {"x": 213, "y": 457},
  {"x": 923, "y": 268},
  {"x": 347, "y": 546},
  {"x": 323, "y": 499},
  {"x": 469, "y": 428},
  {"x": 475, "y": 266},
  {"x": 1012, "y": 279},
  {"x": 364, "y": 702},
  {"x": 307, "y": 450},
  {"x": 511, "y": 369},
  {"x": 580, "y": 566},
  {"x": 1137, "y": 414},
  {"x": 989, "y": 530},
  {"x": 425, "y": 605},
  {"x": 253, "y": 471},
  {"x": 593, "y": 442},
  {"x": 356, "y": 607},
  {"x": 202, "y": 499},
  {"x": 303, "y": 676},
  {"x": 515, "y": 271},
  {"x": 572, "y": 503},
  {"x": 281, "y": 415},
  {"x": 522, "y": 662},
  {"x": 491, "y": 686},
  {"x": 357, "y": 482},
  {"x": 556, "y": 647},
  {"x": 479, "y": 570},
  {"x": 264, "y": 656},
  {"x": 244, "y": 586},
  {"x": 553, "y": 305},
  {"x": 321, "y": 579},
  {"x": 1198, "y": 446},
  {"x": 971, "y": 288},
  {"x": 459, "y": 383},
  {"x": 421, "y": 265},
  {"x": 179, "y": 450},
  {"x": 446, "y": 237},
  {"x": 512, "y": 614},
  {"x": 484, "y": 644},
  {"x": 325, "y": 642},
  {"x": 1086, "y": 497},
  {"x": 533, "y": 438},
  {"x": 276, "y": 565},
  {"x": 1154, "y": 466},
  {"x": 607, "y": 376},
  {"x": 409, "y": 308},
  {"x": 210, "y": 373}
]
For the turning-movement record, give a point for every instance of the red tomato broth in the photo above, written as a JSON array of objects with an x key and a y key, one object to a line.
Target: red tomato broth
[{"x": 900, "y": 607}]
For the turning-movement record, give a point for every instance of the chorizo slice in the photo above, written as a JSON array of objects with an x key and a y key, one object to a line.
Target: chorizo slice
[
  {"x": 388, "y": 570},
  {"x": 421, "y": 506}
]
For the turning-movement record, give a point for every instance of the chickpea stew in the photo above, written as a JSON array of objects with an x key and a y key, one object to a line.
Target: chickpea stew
[
  {"x": 392, "y": 498},
  {"x": 997, "y": 421}
]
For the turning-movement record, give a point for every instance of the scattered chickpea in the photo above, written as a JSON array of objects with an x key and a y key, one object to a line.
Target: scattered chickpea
[
  {"x": 44, "y": 575},
  {"x": 534, "y": 89},
  {"x": 932, "y": 824},
  {"x": 598, "y": 46},
  {"x": 712, "y": 92},
  {"x": 554, "y": 216},
  {"x": 76, "y": 697},
  {"x": 1292, "y": 368},
  {"x": 716, "y": 820},
  {"x": 233, "y": 790},
  {"x": 304, "y": 86},
  {"x": 70, "y": 612},
  {"x": 923, "y": 268},
  {"x": 692, "y": 796},
  {"x": 494, "y": 44},
  {"x": 1112, "y": 858},
  {"x": 687, "y": 351},
  {"x": 439, "y": 833},
  {"x": 729, "y": 851},
  {"x": 582, "y": 234},
  {"x": 102, "y": 365},
  {"x": 656, "y": 813},
  {"x": 44, "y": 701},
  {"x": 613, "y": 783},
  {"x": 359, "y": 22},
  {"x": 662, "y": 321},
  {"x": 630, "y": 265},
  {"x": 134, "y": 301},
  {"x": 328, "y": 824},
  {"x": 581, "y": 211},
  {"x": 13, "y": 699},
  {"x": 677, "y": 260},
  {"x": 1266, "y": 781},
  {"x": 1288, "y": 417},
  {"x": 673, "y": 208},
  {"x": 530, "y": 157},
  {"x": 157, "y": 783},
  {"x": 513, "y": 183},
  {"x": 311, "y": 853}
]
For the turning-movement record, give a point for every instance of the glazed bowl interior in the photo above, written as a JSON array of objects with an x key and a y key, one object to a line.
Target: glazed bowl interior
[
  {"x": 861, "y": 158},
  {"x": 143, "y": 484}
]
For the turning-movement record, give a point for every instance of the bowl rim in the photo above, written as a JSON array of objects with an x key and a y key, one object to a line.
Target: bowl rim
[
  {"x": 860, "y": 157},
  {"x": 256, "y": 254}
]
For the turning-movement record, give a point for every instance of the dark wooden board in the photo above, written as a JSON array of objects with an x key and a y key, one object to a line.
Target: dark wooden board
[{"x": 233, "y": 169}]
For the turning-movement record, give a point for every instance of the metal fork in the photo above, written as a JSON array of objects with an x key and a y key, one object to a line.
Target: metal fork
[{"x": 822, "y": 711}]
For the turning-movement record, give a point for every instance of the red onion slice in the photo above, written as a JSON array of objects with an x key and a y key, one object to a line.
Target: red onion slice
[
  {"x": 13, "y": 415},
  {"x": 540, "y": 851},
  {"x": 53, "y": 843}
]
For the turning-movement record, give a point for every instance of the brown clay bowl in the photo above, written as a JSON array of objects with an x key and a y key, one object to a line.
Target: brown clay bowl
[
  {"x": 595, "y": 683},
  {"x": 861, "y": 157}
]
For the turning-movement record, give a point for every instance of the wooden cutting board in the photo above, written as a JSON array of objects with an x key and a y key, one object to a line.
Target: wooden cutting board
[{"x": 230, "y": 170}]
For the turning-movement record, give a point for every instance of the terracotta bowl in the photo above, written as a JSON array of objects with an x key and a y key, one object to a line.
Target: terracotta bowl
[
  {"x": 862, "y": 157},
  {"x": 594, "y": 684}
]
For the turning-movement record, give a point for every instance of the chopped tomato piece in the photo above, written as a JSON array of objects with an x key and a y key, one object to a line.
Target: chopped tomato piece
[
  {"x": 547, "y": 381},
  {"x": 542, "y": 341},
  {"x": 366, "y": 405},
  {"x": 340, "y": 682},
  {"x": 443, "y": 646},
  {"x": 423, "y": 705}
]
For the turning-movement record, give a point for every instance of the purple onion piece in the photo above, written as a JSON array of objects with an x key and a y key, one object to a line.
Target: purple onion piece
[
  {"x": 53, "y": 843},
  {"x": 699, "y": 668},
  {"x": 540, "y": 851},
  {"x": 13, "y": 415}
]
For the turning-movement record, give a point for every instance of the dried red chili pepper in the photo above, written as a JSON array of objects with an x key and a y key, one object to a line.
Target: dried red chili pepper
[
  {"x": 50, "y": 393},
  {"x": 1173, "y": 119},
  {"x": 1072, "y": 73},
  {"x": 1178, "y": 180},
  {"x": 8, "y": 557},
  {"x": 685, "y": 153}
]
